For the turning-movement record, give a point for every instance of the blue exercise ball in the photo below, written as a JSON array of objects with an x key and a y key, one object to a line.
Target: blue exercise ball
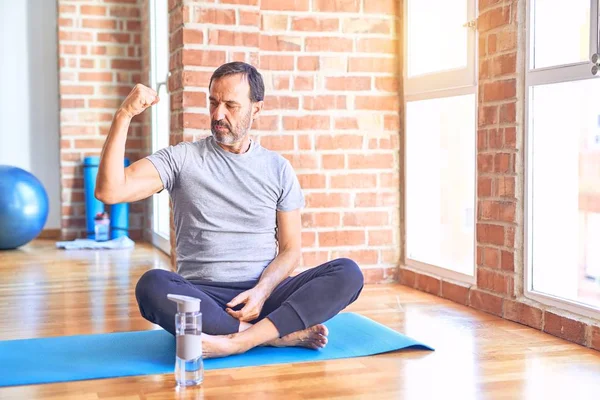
[{"x": 23, "y": 207}]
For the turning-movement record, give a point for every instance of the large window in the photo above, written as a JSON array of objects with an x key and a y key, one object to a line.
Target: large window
[
  {"x": 159, "y": 69},
  {"x": 563, "y": 155},
  {"x": 440, "y": 136}
]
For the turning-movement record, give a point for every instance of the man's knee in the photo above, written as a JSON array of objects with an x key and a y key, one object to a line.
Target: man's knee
[
  {"x": 149, "y": 282},
  {"x": 350, "y": 274},
  {"x": 149, "y": 291}
]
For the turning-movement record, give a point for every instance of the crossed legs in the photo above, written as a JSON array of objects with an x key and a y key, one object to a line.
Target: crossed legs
[{"x": 291, "y": 316}]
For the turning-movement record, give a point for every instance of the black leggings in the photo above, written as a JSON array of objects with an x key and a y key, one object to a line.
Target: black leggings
[{"x": 298, "y": 302}]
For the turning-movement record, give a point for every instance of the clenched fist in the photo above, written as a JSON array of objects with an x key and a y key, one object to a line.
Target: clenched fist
[{"x": 140, "y": 98}]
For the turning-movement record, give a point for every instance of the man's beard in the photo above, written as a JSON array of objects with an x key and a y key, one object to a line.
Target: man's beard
[{"x": 231, "y": 135}]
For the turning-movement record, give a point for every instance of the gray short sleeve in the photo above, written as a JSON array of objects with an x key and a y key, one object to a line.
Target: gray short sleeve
[
  {"x": 168, "y": 162},
  {"x": 291, "y": 196}
]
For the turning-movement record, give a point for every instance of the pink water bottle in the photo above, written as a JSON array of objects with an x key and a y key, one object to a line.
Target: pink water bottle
[{"x": 101, "y": 227}]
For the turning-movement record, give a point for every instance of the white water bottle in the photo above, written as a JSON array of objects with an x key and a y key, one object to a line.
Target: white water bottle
[{"x": 189, "y": 366}]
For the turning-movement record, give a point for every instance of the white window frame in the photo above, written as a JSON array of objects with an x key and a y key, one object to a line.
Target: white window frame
[
  {"x": 426, "y": 87},
  {"x": 158, "y": 240},
  {"x": 548, "y": 75}
]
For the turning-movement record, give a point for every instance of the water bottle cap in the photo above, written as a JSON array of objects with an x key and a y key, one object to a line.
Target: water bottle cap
[
  {"x": 101, "y": 216},
  {"x": 185, "y": 303}
]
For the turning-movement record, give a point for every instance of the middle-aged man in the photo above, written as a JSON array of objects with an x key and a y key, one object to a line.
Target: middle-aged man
[{"x": 236, "y": 209}]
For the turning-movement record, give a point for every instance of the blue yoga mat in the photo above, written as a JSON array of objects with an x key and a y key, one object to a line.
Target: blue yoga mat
[{"x": 110, "y": 355}]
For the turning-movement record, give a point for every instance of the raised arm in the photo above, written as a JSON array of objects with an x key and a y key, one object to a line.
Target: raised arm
[{"x": 115, "y": 183}]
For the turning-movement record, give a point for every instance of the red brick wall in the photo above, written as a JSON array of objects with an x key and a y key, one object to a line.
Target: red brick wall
[
  {"x": 500, "y": 180},
  {"x": 99, "y": 62},
  {"x": 331, "y": 108},
  {"x": 497, "y": 160}
]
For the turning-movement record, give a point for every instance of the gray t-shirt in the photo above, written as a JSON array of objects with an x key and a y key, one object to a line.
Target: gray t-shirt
[{"x": 224, "y": 207}]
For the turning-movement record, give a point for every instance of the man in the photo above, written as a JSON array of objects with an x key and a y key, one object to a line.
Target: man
[{"x": 237, "y": 222}]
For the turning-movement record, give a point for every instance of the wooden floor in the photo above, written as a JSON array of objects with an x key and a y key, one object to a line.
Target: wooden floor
[{"x": 46, "y": 292}]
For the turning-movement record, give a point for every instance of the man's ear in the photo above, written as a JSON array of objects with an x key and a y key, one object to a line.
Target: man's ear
[{"x": 257, "y": 108}]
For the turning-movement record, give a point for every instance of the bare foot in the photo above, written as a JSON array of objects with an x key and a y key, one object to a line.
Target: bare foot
[
  {"x": 314, "y": 337},
  {"x": 219, "y": 346}
]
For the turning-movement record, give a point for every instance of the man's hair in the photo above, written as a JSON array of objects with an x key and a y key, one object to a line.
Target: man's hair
[{"x": 257, "y": 87}]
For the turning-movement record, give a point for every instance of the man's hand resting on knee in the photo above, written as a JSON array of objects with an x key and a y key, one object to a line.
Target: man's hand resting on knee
[{"x": 254, "y": 299}]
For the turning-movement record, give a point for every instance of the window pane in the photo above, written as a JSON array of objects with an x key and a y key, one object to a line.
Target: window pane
[
  {"x": 160, "y": 69},
  {"x": 440, "y": 182},
  {"x": 161, "y": 50},
  {"x": 161, "y": 111},
  {"x": 561, "y": 32},
  {"x": 565, "y": 205},
  {"x": 437, "y": 41},
  {"x": 163, "y": 119}
]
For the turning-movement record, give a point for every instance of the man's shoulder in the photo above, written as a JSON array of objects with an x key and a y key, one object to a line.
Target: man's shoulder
[
  {"x": 199, "y": 143},
  {"x": 184, "y": 145},
  {"x": 272, "y": 157},
  {"x": 193, "y": 148}
]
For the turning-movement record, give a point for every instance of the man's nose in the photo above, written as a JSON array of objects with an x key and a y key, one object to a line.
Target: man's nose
[{"x": 219, "y": 113}]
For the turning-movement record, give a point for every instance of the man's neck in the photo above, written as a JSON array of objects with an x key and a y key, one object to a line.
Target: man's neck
[{"x": 237, "y": 148}]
